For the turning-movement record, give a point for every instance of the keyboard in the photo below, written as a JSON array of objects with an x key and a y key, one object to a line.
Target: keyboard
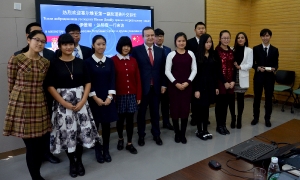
[{"x": 254, "y": 152}]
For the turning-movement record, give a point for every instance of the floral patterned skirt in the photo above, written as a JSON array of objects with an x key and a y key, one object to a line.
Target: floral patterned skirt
[{"x": 69, "y": 127}]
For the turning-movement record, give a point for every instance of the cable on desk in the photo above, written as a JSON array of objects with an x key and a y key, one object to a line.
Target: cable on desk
[
  {"x": 272, "y": 142},
  {"x": 246, "y": 171},
  {"x": 230, "y": 174}
]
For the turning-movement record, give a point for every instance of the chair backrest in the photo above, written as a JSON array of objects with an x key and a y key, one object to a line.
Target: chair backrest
[{"x": 285, "y": 77}]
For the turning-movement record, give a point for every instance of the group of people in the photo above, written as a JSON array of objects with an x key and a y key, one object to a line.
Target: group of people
[{"x": 57, "y": 101}]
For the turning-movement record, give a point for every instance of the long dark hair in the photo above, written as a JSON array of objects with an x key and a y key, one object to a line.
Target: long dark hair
[
  {"x": 220, "y": 35},
  {"x": 95, "y": 38},
  {"x": 201, "y": 48},
  {"x": 30, "y": 36},
  {"x": 236, "y": 40}
]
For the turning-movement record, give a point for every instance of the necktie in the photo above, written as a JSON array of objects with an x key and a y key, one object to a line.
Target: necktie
[
  {"x": 266, "y": 51},
  {"x": 76, "y": 53},
  {"x": 151, "y": 56},
  {"x": 151, "y": 61}
]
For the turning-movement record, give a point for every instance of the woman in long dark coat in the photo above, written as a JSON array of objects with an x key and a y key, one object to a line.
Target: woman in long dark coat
[
  {"x": 181, "y": 69},
  {"x": 102, "y": 71},
  {"x": 205, "y": 85}
]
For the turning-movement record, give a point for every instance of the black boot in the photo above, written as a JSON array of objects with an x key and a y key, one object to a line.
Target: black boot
[
  {"x": 233, "y": 119},
  {"x": 106, "y": 155},
  {"x": 98, "y": 153},
  {"x": 239, "y": 122}
]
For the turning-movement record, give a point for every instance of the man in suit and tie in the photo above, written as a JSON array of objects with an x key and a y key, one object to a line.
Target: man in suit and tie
[
  {"x": 48, "y": 54},
  {"x": 80, "y": 51},
  {"x": 164, "y": 100},
  {"x": 151, "y": 61},
  {"x": 265, "y": 64},
  {"x": 192, "y": 45}
]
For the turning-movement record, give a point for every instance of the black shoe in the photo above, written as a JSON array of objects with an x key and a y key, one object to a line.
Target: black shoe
[
  {"x": 268, "y": 123},
  {"x": 193, "y": 122},
  {"x": 168, "y": 126},
  {"x": 208, "y": 135},
  {"x": 141, "y": 141},
  {"x": 49, "y": 157},
  {"x": 120, "y": 145},
  {"x": 157, "y": 140},
  {"x": 226, "y": 130},
  {"x": 98, "y": 153},
  {"x": 131, "y": 149},
  {"x": 106, "y": 155},
  {"x": 221, "y": 130},
  {"x": 177, "y": 138},
  {"x": 183, "y": 140},
  {"x": 80, "y": 169},
  {"x": 254, "y": 122},
  {"x": 73, "y": 170},
  {"x": 201, "y": 135}
]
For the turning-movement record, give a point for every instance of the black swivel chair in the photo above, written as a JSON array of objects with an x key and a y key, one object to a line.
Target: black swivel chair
[{"x": 285, "y": 83}]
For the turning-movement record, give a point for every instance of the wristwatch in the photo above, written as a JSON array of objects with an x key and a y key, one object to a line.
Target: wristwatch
[{"x": 110, "y": 97}]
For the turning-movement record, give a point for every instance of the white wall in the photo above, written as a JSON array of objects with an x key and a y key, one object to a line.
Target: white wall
[{"x": 170, "y": 15}]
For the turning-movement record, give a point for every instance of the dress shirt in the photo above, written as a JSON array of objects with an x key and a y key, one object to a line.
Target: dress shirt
[
  {"x": 162, "y": 46},
  {"x": 103, "y": 59},
  {"x": 121, "y": 57},
  {"x": 268, "y": 47},
  {"x": 197, "y": 39},
  {"x": 152, "y": 50},
  {"x": 42, "y": 54},
  {"x": 79, "y": 52}
]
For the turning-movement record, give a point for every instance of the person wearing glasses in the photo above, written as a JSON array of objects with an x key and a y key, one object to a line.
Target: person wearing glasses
[
  {"x": 73, "y": 125},
  {"x": 49, "y": 55},
  {"x": 80, "y": 51},
  {"x": 164, "y": 99},
  {"x": 27, "y": 116},
  {"x": 227, "y": 76},
  {"x": 102, "y": 71}
]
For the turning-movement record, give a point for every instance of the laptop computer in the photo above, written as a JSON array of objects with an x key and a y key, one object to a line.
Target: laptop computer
[{"x": 254, "y": 151}]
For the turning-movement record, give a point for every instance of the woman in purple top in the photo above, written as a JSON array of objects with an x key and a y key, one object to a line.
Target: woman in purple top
[{"x": 181, "y": 69}]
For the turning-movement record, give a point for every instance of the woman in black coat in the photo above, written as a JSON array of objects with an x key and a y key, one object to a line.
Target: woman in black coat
[{"x": 205, "y": 85}]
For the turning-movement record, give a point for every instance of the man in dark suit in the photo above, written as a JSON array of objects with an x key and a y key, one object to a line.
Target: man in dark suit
[
  {"x": 48, "y": 54},
  {"x": 165, "y": 104},
  {"x": 80, "y": 51},
  {"x": 265, "y": 63},
  {"x": 151, "y": 61},
  {"x": 192, "y": 45}
]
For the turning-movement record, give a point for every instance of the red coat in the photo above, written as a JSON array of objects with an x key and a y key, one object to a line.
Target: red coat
[{"x": 128, "y": 79}]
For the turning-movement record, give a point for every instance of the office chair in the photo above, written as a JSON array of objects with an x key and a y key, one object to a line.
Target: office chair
[{"x": 285, "y": 83}]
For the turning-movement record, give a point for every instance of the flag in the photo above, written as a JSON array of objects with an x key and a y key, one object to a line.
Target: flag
[
  {"x": 52, "y": 43},
  {"x": 136, "y": 40}
]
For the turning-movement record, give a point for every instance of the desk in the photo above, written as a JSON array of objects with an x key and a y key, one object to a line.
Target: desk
[{"x": 288, "y": 132}]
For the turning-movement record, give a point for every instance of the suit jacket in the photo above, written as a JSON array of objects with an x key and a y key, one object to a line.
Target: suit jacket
[
  {"x": 192, "y": 45},
  {"x": 167, "y": 50},
  {"x": 246, "y": 65},
  {"x": 86, "y": 52},
  {"x": 48, "y": 54},
  {"x": 147, "y": 71},
  {"x": 259, "y": 59}
]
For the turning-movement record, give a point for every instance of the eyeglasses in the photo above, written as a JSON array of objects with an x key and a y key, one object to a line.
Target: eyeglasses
[
  {"x": 39, "y": 41},
  {"x": 225, "y": 38},
  {"x": 74, "y": 33}
]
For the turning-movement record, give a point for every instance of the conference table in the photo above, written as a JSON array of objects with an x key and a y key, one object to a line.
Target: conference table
[{"x": 288, "y": 132}]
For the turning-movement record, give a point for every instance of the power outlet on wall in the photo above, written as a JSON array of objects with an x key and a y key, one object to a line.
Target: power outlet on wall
[{"x": 17, "y": 6}]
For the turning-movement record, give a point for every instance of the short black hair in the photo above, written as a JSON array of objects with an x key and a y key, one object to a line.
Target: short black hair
[
  {"x": 29, "y": 26},
  {"x": 72, "y": 27},
  {"x": 146, "y": 28},
  {"x": 65, "y": 39},
  {"x": 124, "y": 41},
  {"x": 159, "y": 32},
  {"x": 265, "y": 31},
  {"x": 179, "y": 35},
  {"x": 95, "y": 38},
  {"x": 199, "y": 23}
]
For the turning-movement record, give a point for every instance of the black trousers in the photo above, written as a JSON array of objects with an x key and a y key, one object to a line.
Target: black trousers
[
  {"x": 201, "y": 114},
  {"x": 34, "y": 155},
  {"x": 222, "y": 103},
  {"x": 268, "y": 86},
  {"x": 129, "y": 125},
  {"x": 105, "y": 132},
  {"x": 165, "y": 107},
  {"x": 240, "y": 105}
]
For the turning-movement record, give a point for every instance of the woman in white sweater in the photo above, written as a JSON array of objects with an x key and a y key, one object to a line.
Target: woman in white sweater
[{"x": 243, "y": 56}]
